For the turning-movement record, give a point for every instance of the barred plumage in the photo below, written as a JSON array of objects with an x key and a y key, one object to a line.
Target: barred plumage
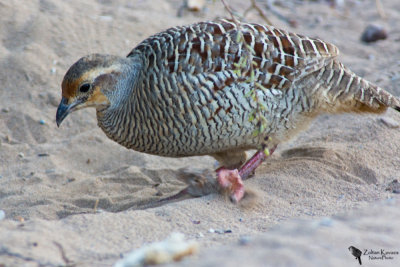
[{"x": 182, "y": 92}]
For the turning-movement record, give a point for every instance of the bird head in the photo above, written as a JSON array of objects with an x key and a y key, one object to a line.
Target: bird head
[{"x": 88, "y": 83}]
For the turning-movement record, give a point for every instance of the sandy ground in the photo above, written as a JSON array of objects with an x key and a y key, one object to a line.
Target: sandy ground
[{"x": 71, "y": 196}]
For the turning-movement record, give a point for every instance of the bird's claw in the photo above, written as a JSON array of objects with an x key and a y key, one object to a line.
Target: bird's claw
[{"x": 230, "y": 181}]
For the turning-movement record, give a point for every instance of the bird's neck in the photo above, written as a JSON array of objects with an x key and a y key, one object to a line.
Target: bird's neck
[
  {"x": 122, "y": 100},
  {"x": 124, "y": 91}
]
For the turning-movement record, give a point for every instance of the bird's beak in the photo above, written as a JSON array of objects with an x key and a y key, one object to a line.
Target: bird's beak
[{"x": 64, "y": 109}]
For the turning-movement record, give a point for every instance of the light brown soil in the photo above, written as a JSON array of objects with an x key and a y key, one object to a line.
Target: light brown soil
[{"x": 72, "y": 190}]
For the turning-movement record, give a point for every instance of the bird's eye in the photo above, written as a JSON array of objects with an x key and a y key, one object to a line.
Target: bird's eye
[{"x": 84, "y": 88}]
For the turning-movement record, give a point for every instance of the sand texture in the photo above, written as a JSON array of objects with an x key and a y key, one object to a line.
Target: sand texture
[{"x": 71, "y": 196}]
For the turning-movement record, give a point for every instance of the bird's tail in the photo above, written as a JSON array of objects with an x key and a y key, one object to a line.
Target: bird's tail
[
  {"x": 347, "y": 92},
  {"x": 359, "y": 260}
]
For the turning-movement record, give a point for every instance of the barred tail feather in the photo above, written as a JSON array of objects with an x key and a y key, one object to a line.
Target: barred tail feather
[
  {"x": 376, "y": 98},
  {"x": 349, "y": 92}
]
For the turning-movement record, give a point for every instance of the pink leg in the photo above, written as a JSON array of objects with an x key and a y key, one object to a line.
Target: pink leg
[{"x": 233, "y": 179}]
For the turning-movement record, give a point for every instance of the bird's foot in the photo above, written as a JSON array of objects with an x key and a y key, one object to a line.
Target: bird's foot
[
  {"x": 202, "y": 183},
  {"x": 230, "y": 181}
]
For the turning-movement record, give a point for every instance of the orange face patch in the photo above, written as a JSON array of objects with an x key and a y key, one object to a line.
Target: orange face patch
[
  {"x": 69, "y": 87},
  {"x": 97, "y": 98}
]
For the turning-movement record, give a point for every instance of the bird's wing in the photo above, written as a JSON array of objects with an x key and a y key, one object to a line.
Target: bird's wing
[{"x": 213, "y": 49}]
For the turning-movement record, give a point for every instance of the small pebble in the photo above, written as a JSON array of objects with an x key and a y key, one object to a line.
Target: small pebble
[
  {"x": 391, "y": 201},
  {"x": 2, "y": 215},
  {"x": 200, "y": 235},
  {"x": 195, "y": 222},
  {"x": 340, "y": 4},
  {"x": 373, "y": 33},
  {"x": 99, "y": 211},
  {"x": 21, "y": 155},
  {"x": 106, "y": 18},
  {"x": 318, "y": 19},
  {"x": 394, "y": 187},
  {"x": 20, "y": 219},
  {"x": 244, "y": 240},
  {"x": 5, "y": 110},
  {"x": 328, "y": 222},
  {"x": 43, "y": 155},
  {"x": 395, "y": 77},
  {"x": 52, "y": 99},
  {"x": 211, "y": 230},
  {"x": 42, "y": 122},
  {"x": 220, "y": 231},
  {"x": 195, "y": 5},
  {"x": 310, "y": 213},
  {"x": 42, "y": 95},
  {"x": 53, "y": 70},
  {"x": 371, "y": 57},
  {"x": 389, "y": 122}
]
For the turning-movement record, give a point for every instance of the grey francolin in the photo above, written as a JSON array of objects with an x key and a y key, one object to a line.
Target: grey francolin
[{"x": 182, "y": 93}]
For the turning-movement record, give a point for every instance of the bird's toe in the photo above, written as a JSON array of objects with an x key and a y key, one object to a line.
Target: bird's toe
[{"x": 231, "y": 182}]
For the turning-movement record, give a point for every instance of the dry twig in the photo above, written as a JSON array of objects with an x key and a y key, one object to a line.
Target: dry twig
[
  {"x": 228, "y": 8},
  {"x": 247, "y": 64},
  {"x": 63, "y": 255},
  {"x": 259, "y": 10},
  {"x": 379, "y": 7}
]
